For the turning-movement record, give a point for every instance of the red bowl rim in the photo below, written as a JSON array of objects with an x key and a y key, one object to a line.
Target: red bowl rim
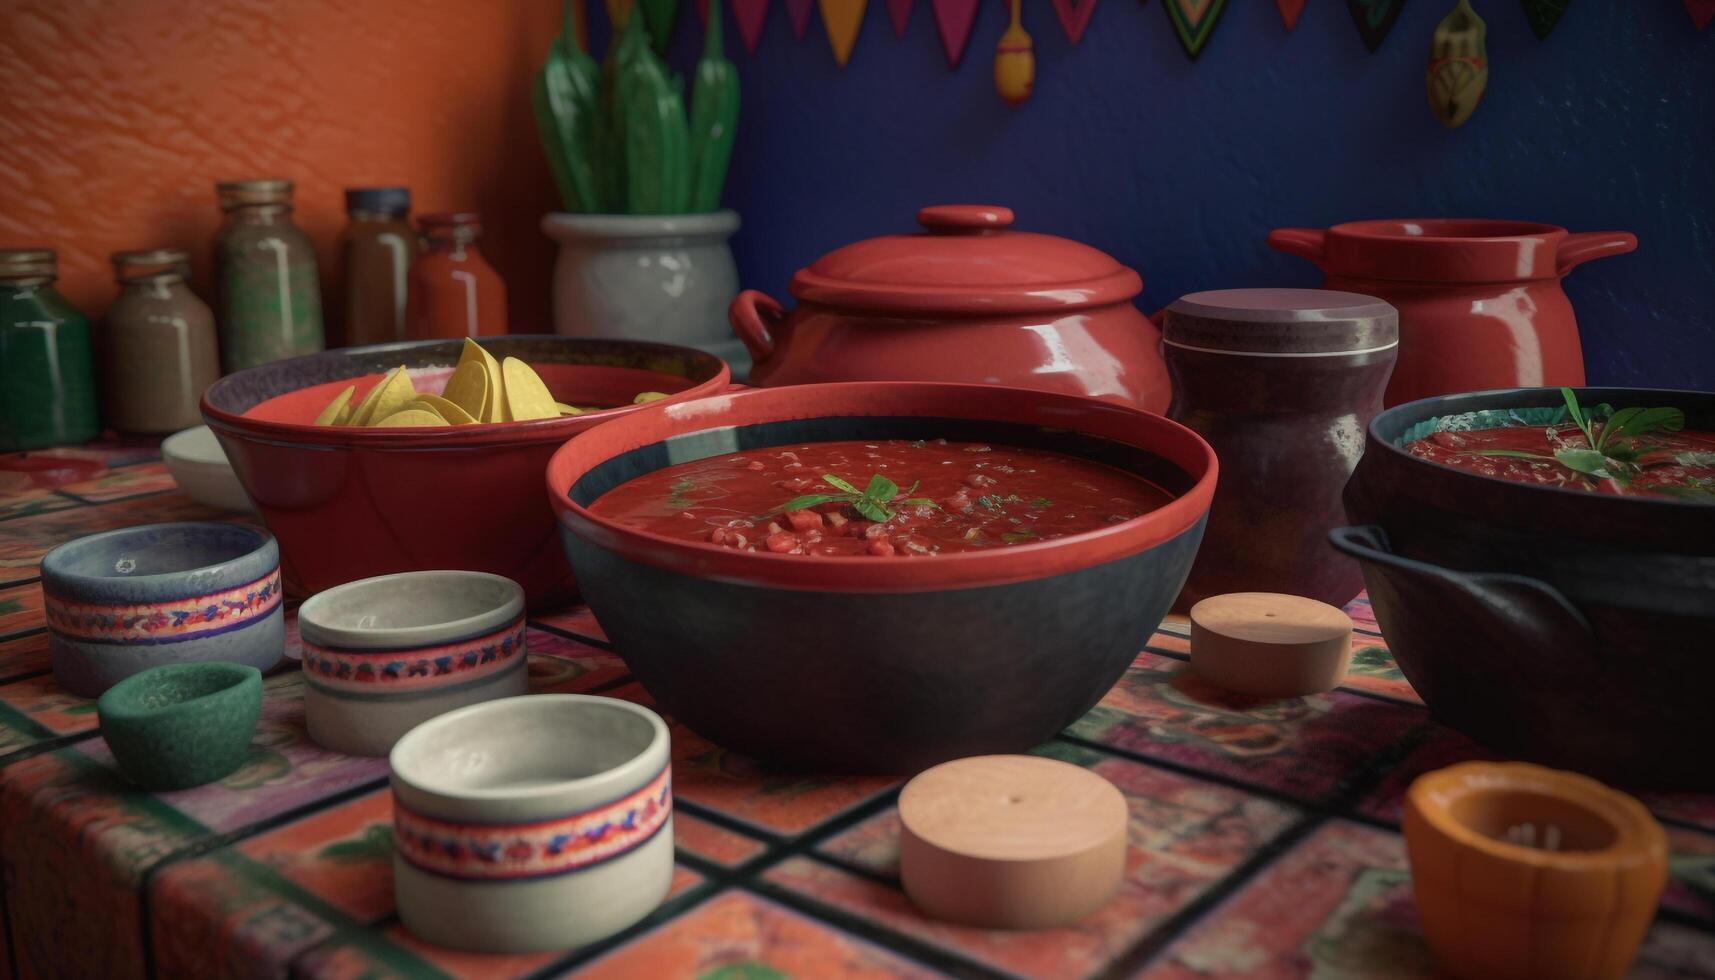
[
  {"x": 485, "y": 434},
  {"x": 1016, "y": 563}
]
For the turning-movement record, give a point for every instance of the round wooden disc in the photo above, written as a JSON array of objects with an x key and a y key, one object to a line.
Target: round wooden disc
[
  {"x": 1270, "y": 645},
  {"x": 1011, "y": 841}
]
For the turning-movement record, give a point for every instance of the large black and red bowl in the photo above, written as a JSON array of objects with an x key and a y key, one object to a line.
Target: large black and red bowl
[
  {"x": 1576, "y": 629},
  {"x": 882, "y": 664}
]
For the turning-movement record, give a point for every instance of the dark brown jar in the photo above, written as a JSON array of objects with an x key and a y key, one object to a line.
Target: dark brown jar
[
  {"x": 377, "y": 250},
  {"x": 270, "y": 299},
  {"x": 157, "y": 345},
  {"x": 1283, "y": 383}
]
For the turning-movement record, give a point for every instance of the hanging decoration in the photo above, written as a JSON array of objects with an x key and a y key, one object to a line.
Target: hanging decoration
[
  {"x": 798, "y": 12},
  {"x": 1289, "y": 11},
  {"x": 1701, "y": 11},
  {"x": 842, "y": 19},
  {"x": 1074, "y": 16},
  {"x": 750, "y": 15},
  {"x": 1014, "y": 60},
  {"x": 953, "y": 18},
  {"x": 899, "y": 12},
  {"x": 618, "y": 12},
  {"x": 1543, "y": 14},
  {"x": 1375, "y": 18},
  {"x": 660, "y": 16},
  {"x": 581, "y": 24},
  {"x": 1194, "y": 21},
  {"x": 1458, "y": 66}
]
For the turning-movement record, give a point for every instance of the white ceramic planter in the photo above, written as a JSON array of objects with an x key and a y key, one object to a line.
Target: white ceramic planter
[
  {"x": 533, "y": 823},
  {"x": 383, "y": 655},
  {"x": 665, "y": 278}
]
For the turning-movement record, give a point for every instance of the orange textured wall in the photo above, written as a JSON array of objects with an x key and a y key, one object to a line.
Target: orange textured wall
[{"x": 117, "y": 117}]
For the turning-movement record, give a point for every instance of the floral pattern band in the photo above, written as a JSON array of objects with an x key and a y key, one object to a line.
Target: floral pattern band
[
  {"x": 410, "y": 670},
  {"x": 512, "y": 852},
  {"x": 168, "y": 621}
]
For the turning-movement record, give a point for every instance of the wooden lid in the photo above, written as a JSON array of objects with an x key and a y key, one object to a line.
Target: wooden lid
[
  {"x": 1270, "y": 645},
  {"x": 1011, "y": 841}
]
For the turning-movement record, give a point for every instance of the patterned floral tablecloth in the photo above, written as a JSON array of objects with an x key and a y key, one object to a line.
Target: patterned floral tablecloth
[{"x": 1264, "y": 834}]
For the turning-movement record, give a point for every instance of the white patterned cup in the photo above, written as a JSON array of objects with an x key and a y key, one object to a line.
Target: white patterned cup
[
  {"x": 532, "y": 823},
  {"x": 383, "y": 655}
]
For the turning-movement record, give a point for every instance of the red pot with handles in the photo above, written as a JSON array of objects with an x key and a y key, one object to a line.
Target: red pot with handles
[
  {"x": 968, "y": 299},
  {"x": 1480, "y": 304}
]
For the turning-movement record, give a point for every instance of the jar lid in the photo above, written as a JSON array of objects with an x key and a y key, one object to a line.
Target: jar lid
[
  {"x": 966, "y": 261},
  {"x": 238, "y": 193},
  {"x": 143, "y": 263},
  {"x": 28, "y": 263},
  {"x": 384, "y": 199},
  {"x": 1289, "y": 322}
]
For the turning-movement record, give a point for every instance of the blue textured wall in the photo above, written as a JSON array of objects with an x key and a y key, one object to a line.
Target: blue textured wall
[{"x": 1179, "y": 168}]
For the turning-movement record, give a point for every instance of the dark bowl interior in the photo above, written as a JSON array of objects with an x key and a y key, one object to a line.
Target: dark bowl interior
[
  {"x": 883, "y": 679},
  {"x": 1567, "y": 627}
]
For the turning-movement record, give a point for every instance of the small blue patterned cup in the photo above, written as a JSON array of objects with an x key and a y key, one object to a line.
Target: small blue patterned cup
[{"x": 123, "y": 601}]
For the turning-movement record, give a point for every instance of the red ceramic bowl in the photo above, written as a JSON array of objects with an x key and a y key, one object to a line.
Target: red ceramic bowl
[
  {"x": 882, "y": 664},
  {"x": 349, "y": 503}
]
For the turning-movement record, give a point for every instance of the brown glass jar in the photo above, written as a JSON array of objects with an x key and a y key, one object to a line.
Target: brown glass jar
[
  {"x": 377, "y": 250},
  {"x": 157, "y": 345},
  {"x": 270, "y": 300}
]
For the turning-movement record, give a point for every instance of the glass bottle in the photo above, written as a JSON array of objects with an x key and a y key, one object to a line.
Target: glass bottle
[
  {"x": 47, "y": 375},
  {"x": 378, "y": 248},
  {"x": 270, "y": 303},
  {"x": 454, "y": 291},
  {"x": 158, "y": 351}
]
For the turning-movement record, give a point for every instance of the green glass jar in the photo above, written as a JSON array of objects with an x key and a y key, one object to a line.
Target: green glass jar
[
  {"x": 270, "y": 300},
  {"x": 47, "y": 374}
]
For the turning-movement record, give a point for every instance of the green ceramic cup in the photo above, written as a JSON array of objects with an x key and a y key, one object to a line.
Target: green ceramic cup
[{"x": 182, "y": 725}]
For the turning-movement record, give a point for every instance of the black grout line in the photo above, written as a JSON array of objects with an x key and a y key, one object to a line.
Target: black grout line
[
  {"x": 911, "y": 947},
  {"x": 723, "y": 821},
  {"x": 567, "y": 634},
  {"x": 1219, "y": 779},
  {"x": 32, "y": 580},
  {"x": 44, "y": 746},
  {"x": 214, "y": 842},
  {"x": 25, "y": 676}
]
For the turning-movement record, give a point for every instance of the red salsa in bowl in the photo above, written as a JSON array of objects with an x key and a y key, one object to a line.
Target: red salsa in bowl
[{"x": 879, "y": 498}]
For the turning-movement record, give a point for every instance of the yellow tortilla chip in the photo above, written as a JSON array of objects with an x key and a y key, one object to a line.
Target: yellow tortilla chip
[
  {"x": 526, "y": 396},
  {"x": 410, "y": 417},
  {"x": 340, "y": 406},
  {"x": 395, "y": 394},
  {"x": 451, "y": 412},
  {"x": 468, "y": 389},
  {"x": 648, "y": 396},
  {"x": 365, "y": 409},
  {"x": 494, "y": 409},
  {"x": 569, "y": 409}
]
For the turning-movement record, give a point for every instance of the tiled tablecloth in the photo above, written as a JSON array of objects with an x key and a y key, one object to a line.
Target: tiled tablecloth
[{"x": 1264, "y": 834}]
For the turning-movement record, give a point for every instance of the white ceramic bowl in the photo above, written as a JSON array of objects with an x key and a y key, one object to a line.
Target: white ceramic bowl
[
  {"x": 200, "y": 468},
  {"x": 533, "y": 823},
  {"x": 383, "y": 655}
]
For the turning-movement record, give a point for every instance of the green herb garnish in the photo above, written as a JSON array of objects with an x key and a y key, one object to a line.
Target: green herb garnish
[
  {"x": 1042, "y": 502},
  {"x": 871, "y": 502},
  {"x": 1603, "y": 456},
  {"x": 1015, "y": 537}
]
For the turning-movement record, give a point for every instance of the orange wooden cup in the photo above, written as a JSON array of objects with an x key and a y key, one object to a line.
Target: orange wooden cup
[{"x": 1523, "y": 871}]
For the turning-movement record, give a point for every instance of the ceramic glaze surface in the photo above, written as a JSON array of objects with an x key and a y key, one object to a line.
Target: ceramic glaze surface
[
  {"x": 967, "y": 300},
  {"x": 182, "y": 725},
  {"x": 1480, "y": 303},
  {"x": 354, "y": 503},
  {"x": 383, "y": 655},
  {"x": 199, "y": 467},
  {"x": 123, "y": 601},
  {"x": 1600, "y": 606},
  {"x": 643, "y": 277},
  {"x": 532, "y": 823}
]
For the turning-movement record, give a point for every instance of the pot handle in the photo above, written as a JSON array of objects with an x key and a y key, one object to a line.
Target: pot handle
[
  {"x": 1306, "y": 243},
  {"x": 1507, "y": 604},
  {"x": 750, "y": 314},
  {"x": 1581, "y": 247}
]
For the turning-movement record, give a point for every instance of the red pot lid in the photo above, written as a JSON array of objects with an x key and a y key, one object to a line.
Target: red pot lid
[{"x": 967, "y": 260}]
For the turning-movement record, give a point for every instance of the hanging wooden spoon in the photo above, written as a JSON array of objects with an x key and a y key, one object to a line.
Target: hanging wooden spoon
[{"x": 1014, "y": 60}]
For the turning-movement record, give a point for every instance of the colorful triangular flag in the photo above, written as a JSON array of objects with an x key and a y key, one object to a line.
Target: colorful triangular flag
[
  {"x": 842, "y": 19},
  {"x": 899, "y": 12},
  {"x": 1543, "y": 14},
  {"x": 1289, "y": 11},
  {"x": 618, "y": 12},
  {"x": 1194, "y": 21},
  {"x": 953, "y": 18},
  {"x": 1701, "y": 11},
  {"x": 798, "y": 12},
  {"x": 750, "y": 15},
  {"x": 1074, "y": 16},
  {"x": 1374, "y": 18}
]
